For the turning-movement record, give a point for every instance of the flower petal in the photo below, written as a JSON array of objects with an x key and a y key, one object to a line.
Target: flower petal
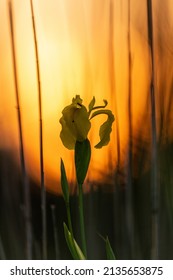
[
  {"x": 101, "y": 106},
  {"x": 68, "y": 118},
  {"x": 81, "y": 123},
  {"x": 67, "y": 137},
  {"x": 105, "y": 128},
  {"x": 77, "y": 101},
  {"x": 75, "y": 123},
  {"x": 91, "y": 105}
]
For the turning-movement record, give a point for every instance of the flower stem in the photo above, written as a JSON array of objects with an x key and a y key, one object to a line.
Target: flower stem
[
  {"x": 69, "y": 219},
  {"x": 81, "y": 216}
]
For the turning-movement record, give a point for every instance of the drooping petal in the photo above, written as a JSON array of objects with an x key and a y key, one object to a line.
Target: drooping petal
[
  {"x": 68, "y": 117},
  {"x": 105, "y": 128},
  {"x": 101, "y": 106},
  {"x": 67, "y": 137}
]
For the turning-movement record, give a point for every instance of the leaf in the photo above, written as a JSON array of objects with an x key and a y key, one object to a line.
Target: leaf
[
  {"x": 105, "y": 128},
  {"x": 64, "y": 183},
  {"x": 109, "y": 251},
  {"x": 72, "y": 245},
  {"x": 82, "y": 159}
]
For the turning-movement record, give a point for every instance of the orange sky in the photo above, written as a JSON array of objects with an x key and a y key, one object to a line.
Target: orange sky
[{"x": 73, "y": 38}]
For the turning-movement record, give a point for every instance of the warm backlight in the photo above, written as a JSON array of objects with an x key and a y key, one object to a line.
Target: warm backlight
[{"x": 74, "y": 43}]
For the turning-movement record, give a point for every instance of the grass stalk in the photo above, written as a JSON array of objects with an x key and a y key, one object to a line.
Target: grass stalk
[
  {"x": 81, "y": 219},
  {"x": 129, "y": 197},
  {"x": 154, "y": 167},
  {"x": 27, "y": 203},
  {"x": 43, "y": 190},
  {"x": 112, "y": 74},
  {"x": 112, "y": 77}
]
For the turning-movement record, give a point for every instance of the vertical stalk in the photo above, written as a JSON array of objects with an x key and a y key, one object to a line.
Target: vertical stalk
[
  {"x": 81, "y": 217},
  {"x": 69, "y": 219},
  {"x": 111, "y": 59},
  {"x": 112, "y": 76},
  {"x": 27, "y": 203},
  {"x": 43, "y": 190},
  {"x": 130, "y": 222},
  {"x": 154, "y": 167}
]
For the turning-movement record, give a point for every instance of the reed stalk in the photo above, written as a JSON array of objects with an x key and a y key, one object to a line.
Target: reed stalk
[
  {"x": 154, "y": 167},
  {"x": 43, "y": 189},
  {"x": 112, "y": 77},
  {"x": 129, "y": 193},
  {"x": 27, "y": 203}
]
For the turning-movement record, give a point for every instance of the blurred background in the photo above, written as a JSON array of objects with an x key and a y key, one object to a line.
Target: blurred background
[{"x": 118, "y": 50}]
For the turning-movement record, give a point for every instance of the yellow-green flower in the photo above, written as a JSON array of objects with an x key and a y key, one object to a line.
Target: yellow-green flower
[{"x": 76, "y": 123}]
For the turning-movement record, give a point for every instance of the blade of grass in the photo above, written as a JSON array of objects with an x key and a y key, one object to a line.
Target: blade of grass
[
  {"x": 109, "y": 252},
  {"x": 43, "y": 190},
  {"x": 72, "y": 245},
  {"x": 27, "y": 203}
]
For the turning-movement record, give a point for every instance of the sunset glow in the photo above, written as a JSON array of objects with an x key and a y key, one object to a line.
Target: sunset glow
[{"x": 73, "y": 44}]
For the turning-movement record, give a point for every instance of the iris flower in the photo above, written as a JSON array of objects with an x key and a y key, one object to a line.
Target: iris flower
[{"x": 76, "y": 123}]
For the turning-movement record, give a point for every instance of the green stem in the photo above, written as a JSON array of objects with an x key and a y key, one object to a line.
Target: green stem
[
  {"x": 81, "y": 216},
  {"x": 69, "y": 218}
]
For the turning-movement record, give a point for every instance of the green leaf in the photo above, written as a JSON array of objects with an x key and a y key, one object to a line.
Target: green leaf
[
  {"x": 109, "y": 251},
  {"x": 64, "y": 183},
  {"x": 105, "y": 128},
  {"x": 82, "y": 159},
  {"x": 72, "y": 245}
]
